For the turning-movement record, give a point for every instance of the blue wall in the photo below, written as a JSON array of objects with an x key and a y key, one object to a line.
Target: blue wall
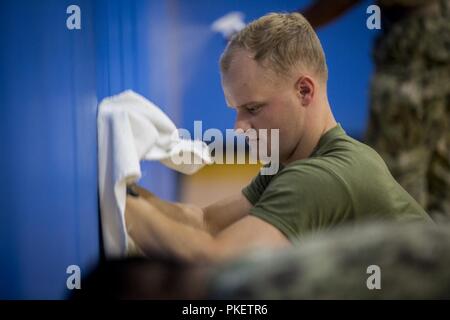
[
  {"x": 49, "y": 213},
  {"x": 131, "y": 42},
  {"x": 51, "y": 80}
]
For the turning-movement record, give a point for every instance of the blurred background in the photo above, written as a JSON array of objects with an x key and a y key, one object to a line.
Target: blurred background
[{"x": 52, "y": 79}]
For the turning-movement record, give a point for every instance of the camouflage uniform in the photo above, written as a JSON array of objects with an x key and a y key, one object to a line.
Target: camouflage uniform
[
  {"x": 414, "y": 263},
  {"x": 410, "y": 100}
]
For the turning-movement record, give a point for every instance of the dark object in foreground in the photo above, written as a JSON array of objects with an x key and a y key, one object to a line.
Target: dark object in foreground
[
  {"x": 414, "y": 263},
  {"x": 155, "y": 277}
]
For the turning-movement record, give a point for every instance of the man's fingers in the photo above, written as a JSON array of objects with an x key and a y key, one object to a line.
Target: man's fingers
[{"x": 144, "y": 192}]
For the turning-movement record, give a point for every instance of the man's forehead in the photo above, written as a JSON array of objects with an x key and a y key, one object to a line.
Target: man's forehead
[
  {"x": 241, "y": 92},
  {"x": 245, "y": 81},
  {"x": 243, "y": 67}
]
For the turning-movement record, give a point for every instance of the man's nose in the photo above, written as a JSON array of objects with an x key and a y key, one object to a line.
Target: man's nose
[{"x": 242, "y": 123}]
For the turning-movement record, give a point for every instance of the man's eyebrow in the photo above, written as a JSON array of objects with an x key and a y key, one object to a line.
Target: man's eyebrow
[{"x": 246, "y": 105}]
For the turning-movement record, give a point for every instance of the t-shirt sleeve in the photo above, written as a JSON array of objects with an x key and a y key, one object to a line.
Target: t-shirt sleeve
[
  {"x": 300, "y": 200},
  {"x": 256, "y": 188}
]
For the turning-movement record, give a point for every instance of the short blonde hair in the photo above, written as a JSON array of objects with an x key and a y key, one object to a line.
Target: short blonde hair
[{"x": 281, "y": 42}]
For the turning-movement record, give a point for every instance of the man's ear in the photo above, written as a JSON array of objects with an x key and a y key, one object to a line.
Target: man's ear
[{"x": 305, "y": 87}]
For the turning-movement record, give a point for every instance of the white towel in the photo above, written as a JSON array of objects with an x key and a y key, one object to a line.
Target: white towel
[{"x": 130, "y": 129}]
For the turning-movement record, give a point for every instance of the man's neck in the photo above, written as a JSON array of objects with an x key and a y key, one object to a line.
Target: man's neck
[{"x": 311, "y": 138}]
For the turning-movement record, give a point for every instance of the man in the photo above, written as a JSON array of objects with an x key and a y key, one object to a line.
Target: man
[
  {"x": 409, "y": 123},
  {"x": 274, "y": 75}
]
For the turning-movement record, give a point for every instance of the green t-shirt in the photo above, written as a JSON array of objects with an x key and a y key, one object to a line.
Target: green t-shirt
[{"x": 342, "y": 181}]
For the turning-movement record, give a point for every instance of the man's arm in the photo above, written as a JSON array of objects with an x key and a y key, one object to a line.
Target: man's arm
[
  {"x": 322, "y": 12},
  {"x": 184, "y": 213},
  {"x": 213, "y": 218},
  {"x": 152, "y": 230},
  {"x": 224, "y": 213}
]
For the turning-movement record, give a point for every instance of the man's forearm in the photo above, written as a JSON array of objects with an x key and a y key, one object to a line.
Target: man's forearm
[
  {"x": 183, "y": 213},
  {"x": 153, "y": 230}
]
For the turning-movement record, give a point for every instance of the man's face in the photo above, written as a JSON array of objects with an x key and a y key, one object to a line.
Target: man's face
[{"x": 264, "y": 101}]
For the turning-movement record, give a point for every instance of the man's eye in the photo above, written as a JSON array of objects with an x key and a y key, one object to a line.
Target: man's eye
[{"x": 254, "y": 109}]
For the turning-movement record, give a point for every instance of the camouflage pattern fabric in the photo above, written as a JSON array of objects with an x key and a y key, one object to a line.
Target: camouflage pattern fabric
[
  {"x": 409, "y": 123},
  {"x": 413, "y": 260}
]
